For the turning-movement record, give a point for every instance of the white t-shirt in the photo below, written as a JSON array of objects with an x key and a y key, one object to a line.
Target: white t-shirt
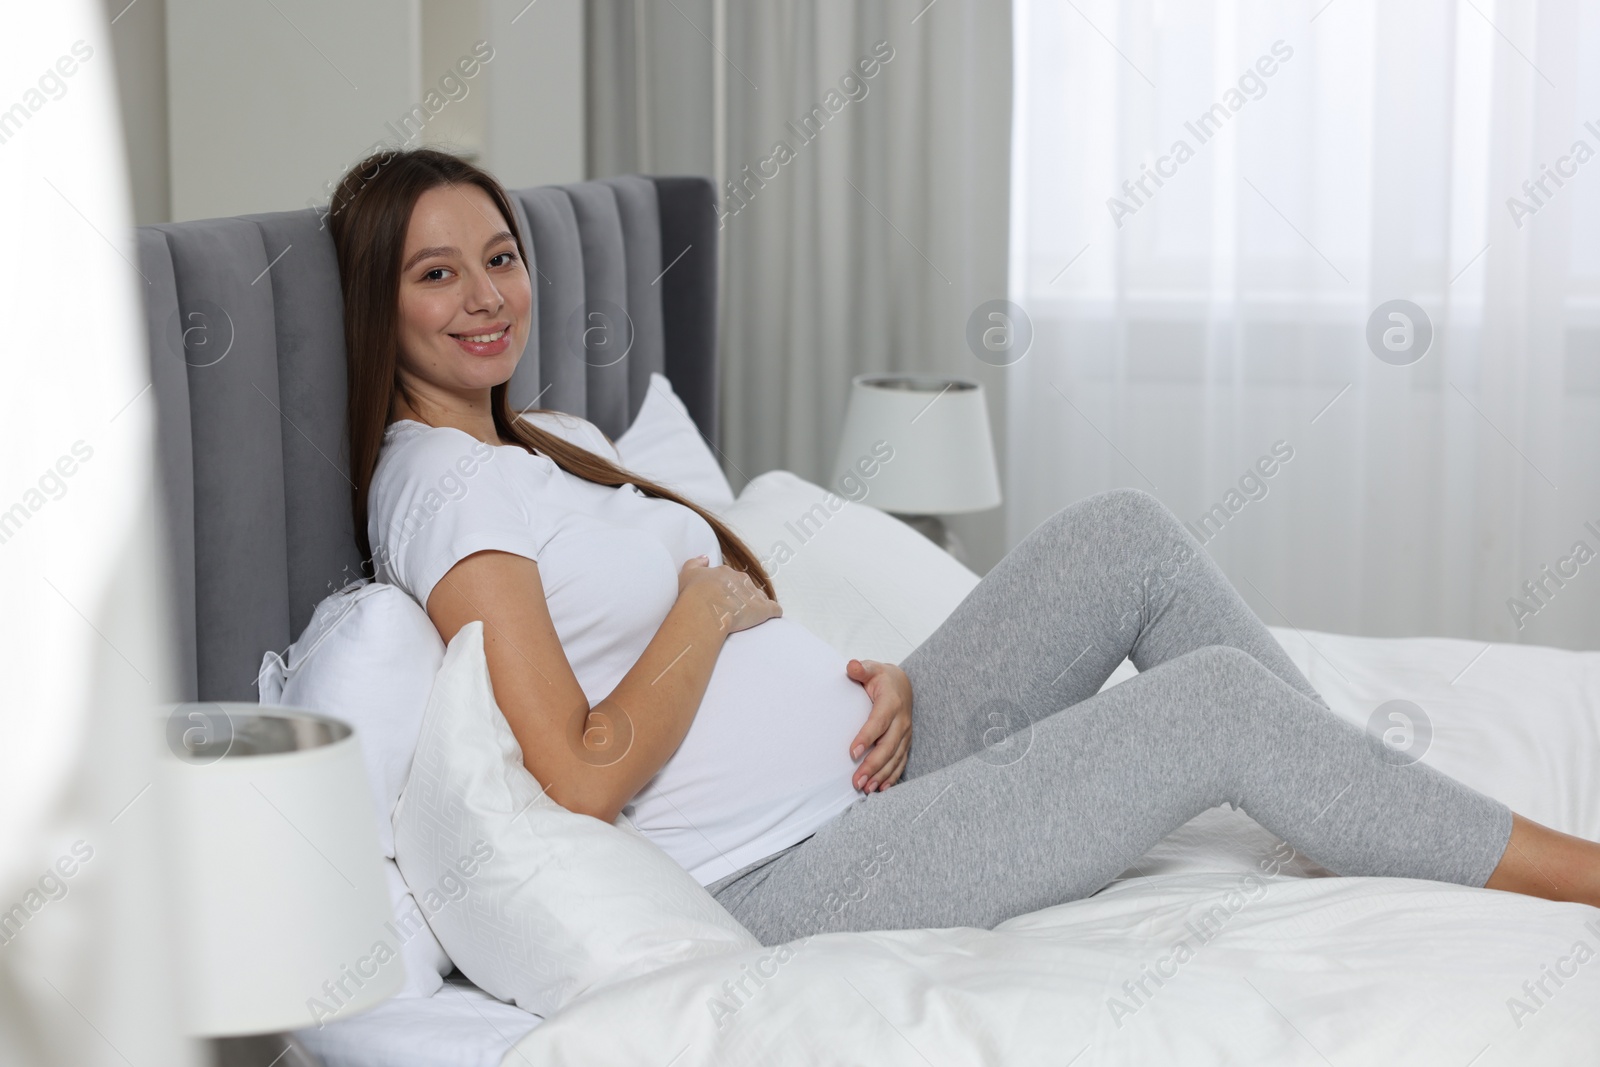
[{"x": 766, "y": 761}]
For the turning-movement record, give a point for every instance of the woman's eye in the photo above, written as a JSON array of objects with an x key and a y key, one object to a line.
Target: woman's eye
[
  {"x": 510, "y": 258},
  {"x": 429, "y": 276}
]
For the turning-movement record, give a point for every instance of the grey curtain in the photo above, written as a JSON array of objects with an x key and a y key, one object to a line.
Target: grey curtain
[{"x": 862, "y": 147}]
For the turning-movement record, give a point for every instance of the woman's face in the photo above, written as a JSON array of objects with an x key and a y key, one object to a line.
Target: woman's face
[{"x": 465, "y": 298}]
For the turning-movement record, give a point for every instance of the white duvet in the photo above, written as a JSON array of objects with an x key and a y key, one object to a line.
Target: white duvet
[{"x": 1219, "y": 947}]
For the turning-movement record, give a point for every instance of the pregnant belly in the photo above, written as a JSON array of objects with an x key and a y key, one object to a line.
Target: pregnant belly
[{"x": 767, "y": 756}]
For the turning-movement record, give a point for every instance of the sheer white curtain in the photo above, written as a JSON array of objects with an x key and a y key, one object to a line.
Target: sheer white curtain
[
  {"x": 1210, "y": 200},
  {"x": 864, "y": 213}
]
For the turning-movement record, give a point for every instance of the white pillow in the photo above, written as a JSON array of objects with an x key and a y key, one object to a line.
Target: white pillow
[
  {"x": 580, "y": 432},
  {"x": 567, "y": 904},
  {"x": 368, "y": 658},
  {"x": 425, "y": 960},
  {"x": 857, "y": 577},
  {"x": 665, "y": 446}
]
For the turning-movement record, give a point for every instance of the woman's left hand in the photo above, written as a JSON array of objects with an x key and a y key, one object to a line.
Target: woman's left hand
[{"x": 888, "y": 728}]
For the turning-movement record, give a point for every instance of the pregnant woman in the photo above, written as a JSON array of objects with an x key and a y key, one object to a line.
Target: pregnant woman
[{"x": 644, "y": 667}]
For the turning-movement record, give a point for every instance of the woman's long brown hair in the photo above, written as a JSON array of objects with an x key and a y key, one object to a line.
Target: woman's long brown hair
[{"x": 368, "y": 217}]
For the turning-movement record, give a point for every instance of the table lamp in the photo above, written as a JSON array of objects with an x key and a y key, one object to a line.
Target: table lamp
[
  {"x": 277, "y": 871},
  {"x": 943, "y": 456}
]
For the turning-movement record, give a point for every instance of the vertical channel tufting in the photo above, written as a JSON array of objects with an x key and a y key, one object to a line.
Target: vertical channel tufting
[
  {"x": 525, "y": 386},
  {"x": 689, "y": 230},
  {"x": 224, "y": 330},
  {"x": 169, "y": 383},
  {"x": 643, "y": 266},
  {"x": 607, "y": 332},
  {"x": 558, "y": 283},
  {"x": 308, "y": 321}
]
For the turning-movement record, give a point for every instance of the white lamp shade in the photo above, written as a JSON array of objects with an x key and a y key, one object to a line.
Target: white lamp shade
[
  {"x": 283, "y": 900},
  {"x": 935, "y": 429}
]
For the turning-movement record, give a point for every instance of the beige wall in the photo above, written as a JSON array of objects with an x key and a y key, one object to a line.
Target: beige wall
[
  {"x": 233, "y": 107},
  {"x": 139, "y": 47},
  {"x": 536, "y": 99},
  {"x": 450, "y": 29},
  {"x": 271, "y": 102}
]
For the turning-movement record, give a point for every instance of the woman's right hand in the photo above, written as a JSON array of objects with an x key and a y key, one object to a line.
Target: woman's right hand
[{"x": 732, "y": 597}]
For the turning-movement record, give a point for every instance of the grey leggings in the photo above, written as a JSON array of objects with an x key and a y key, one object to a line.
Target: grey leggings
[{"x": 1025, "y": 787}]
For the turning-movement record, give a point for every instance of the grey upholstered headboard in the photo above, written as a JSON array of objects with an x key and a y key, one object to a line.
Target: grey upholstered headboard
[{"x": 248, "y": 367}]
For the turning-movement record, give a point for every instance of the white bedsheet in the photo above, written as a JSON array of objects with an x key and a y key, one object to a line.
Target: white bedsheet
[
  {"x": 459, "y": 1026},
  {"x": 1519, "y": 722},
  {"x": 1312, "y": 970}
]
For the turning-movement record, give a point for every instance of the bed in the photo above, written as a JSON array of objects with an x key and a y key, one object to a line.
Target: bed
[
  {"x": 1285, "y": 964},
  {"x": 1312, "y": 969}
]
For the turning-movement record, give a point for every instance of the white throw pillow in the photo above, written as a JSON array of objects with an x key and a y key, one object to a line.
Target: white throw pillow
[
  {"x": 857, "y": 577},
  {"x": 665, "y": 446},
  {"x": 566, "y": 904},
  {"x": 368, "y": 658}
]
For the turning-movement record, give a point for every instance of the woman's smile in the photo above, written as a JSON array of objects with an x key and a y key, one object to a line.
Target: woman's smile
[{"x": 486, "y": 341}]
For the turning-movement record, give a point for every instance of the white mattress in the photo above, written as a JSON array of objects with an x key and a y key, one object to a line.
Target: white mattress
[{"x": 1315, "y": 969}]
